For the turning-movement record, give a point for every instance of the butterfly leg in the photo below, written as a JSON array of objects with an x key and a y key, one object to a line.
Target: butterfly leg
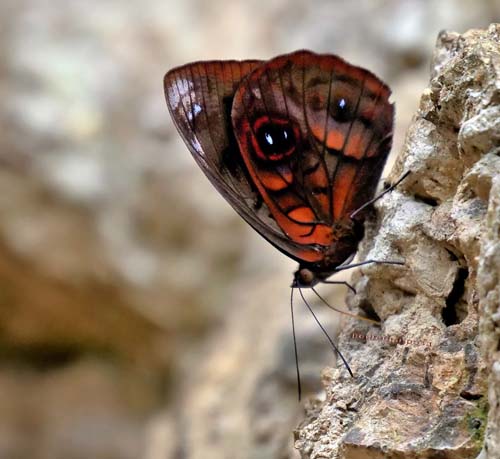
[
  {"x": 367, "y": 262},
  {"x": 376, "y": 198},
  {"x": 349, "y": 286},
  {"x": 347, "y": 313}
]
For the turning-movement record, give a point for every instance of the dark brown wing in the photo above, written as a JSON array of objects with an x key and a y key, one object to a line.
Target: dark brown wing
[{"x": 199, "y": 97}]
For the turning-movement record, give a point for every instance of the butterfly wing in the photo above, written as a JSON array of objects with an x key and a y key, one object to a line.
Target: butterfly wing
[
  {"x": 199, "y": 97},
  {"x": 314, "y": 133},
  {"x": 331, "y": 124}
]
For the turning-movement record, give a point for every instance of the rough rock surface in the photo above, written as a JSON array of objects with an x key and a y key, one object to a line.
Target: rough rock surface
[
  {"x": 420, "y": 385},
  {"x": 489, "y": 303}
]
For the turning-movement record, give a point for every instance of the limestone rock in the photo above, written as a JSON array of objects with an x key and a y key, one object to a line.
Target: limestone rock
[
  {"x": 489, "y": 303},
  {"x": 420, "y": 385}
]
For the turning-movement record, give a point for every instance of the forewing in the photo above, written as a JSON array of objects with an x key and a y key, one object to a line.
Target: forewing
[{"x": 199, "y": 97}]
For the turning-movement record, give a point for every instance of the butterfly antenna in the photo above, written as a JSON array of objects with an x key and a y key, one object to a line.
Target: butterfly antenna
[
  {"x": 299, "y": 386},
  {"x": 326, "y": 333},
  {"x": 347, "y": 313}
]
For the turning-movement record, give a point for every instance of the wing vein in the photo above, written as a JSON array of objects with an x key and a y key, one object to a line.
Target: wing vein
[
  {"x": 376, "y": 105},
  {"x": 346, "y": 140}
]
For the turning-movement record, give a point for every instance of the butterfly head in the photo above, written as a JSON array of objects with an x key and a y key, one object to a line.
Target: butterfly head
[{"x": 304, "y": 278}]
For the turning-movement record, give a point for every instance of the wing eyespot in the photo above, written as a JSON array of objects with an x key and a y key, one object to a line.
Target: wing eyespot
[
  {"x": 342, "y": 109},
  {"x": 274, "y": 139}
]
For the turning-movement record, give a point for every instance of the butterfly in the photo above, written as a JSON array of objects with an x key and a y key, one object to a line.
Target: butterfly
[{"x": 295, "y": 144}]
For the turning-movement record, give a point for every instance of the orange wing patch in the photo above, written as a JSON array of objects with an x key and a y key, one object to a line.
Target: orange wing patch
[
  {"x": 342, "y": 185},
  {"x": 302, "y": 215}
]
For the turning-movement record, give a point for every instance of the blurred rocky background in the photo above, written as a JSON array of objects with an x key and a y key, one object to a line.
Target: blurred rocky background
[{"x": 139, "y": 317}]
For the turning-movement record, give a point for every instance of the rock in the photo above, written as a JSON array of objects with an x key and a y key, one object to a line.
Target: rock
[
  {"x": 420, "y": 385},
  {"x": 489, "y": 304}
]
